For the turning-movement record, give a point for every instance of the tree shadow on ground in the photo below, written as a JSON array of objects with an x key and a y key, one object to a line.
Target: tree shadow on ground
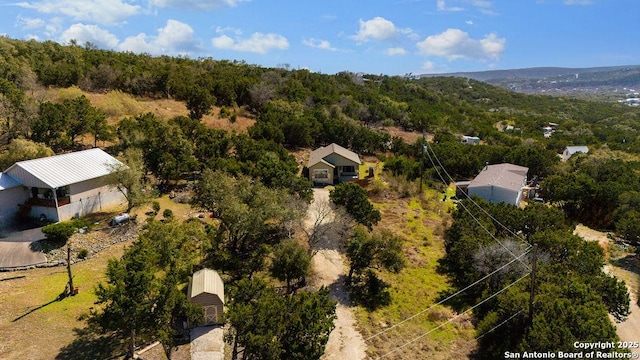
[
  {"x": 370, "y": 291},
  {"x": 46, "y": 246},
  {"x": 629, "y": 263},
  {"x": 89, "y": 345},
  {"x": 60, "y": 297}
]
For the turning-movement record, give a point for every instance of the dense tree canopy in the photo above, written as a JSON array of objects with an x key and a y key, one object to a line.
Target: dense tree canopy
[{"x": 573, "y": 294}]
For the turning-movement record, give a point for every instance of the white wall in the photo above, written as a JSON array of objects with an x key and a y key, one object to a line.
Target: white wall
[
  {"x": 9, "y": 201},
  {"x": 91, "y": 196},
  {"x": 496, "y": 194}
]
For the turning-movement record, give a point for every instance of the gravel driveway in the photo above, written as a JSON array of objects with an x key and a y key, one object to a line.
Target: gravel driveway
[{"x": 20, "y": 249}]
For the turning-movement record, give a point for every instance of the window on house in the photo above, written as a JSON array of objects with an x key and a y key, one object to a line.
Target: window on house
[
  {"x": 349, "y": 169},
  {"x": 62, "y": 191},
  {"x": 320, "y": 174}
]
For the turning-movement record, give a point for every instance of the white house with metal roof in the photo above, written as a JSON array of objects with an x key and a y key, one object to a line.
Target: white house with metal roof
[
  {"x": 11, "y": 195},
  {"x": 500, "y": 183},
  {"x": 61, "y": 187},
  {"x": 569, "y": 151},
  {"x": 332, "y": 164}
]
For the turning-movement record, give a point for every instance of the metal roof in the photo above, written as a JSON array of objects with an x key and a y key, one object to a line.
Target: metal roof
[
  {"x": 7, "y": 182},
  {"x": 507, "y": 176},
  {"x": 206, "y": 281},
  {"x": 574, "y": 149},
  {"x": 319, "y": 154},
  {"x": 62, "y": 170}
]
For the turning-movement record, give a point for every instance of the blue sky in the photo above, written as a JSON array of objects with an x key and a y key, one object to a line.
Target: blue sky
[{"x": 393, "y": 37}]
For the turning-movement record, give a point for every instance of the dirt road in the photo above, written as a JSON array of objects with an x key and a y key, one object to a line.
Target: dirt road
[
  {"x": 629, "y": 330},
  {"x": 345, "y": 342}
]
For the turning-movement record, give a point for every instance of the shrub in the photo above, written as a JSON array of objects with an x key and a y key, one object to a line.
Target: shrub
[
  {"x": 60, "y": 232},
  {"x": 354, "y": 198},
  {"x": 155, "y": 206},
  {"x": 82, "y": 253},
  {"x": 167, "y": 214}
]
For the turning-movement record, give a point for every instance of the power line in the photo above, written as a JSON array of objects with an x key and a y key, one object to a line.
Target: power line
[
  {"x": 502, "y": 323},
  {"x": 473, "y": 216},
  {"x": 453, "y": 318},
  {"x": 446, "y": 299},
  {"x": 469, "y": 197}
]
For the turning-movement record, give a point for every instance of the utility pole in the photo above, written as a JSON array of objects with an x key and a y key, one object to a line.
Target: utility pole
[
  {"x": 70, "y": 284},
  {"x": 424, "y": 150},
  {"x": 534, "y": 260}
]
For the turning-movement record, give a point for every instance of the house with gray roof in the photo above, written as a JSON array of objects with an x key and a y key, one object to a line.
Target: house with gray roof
[
  {"x": 60, "y": 187},
  {"x": 500, "y": 183},
  {"x": 333, "y": 164},
  {"x": 569, "y": 151}
]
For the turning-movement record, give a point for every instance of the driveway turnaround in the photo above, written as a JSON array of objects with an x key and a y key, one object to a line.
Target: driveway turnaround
[
  {"x": 19, "y": 249},
  {"x": 207, "y": 343}
]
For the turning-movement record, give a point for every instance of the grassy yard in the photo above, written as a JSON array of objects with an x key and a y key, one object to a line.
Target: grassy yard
[
  {"x": 36, "y": 324},
  {"x": 33, "y": 323},
  {"x": 416, "y": 289}
]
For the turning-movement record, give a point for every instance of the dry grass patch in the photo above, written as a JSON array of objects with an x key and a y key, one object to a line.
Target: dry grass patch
[
  {"x": 33, "y": 325},
  {"x": 416, "y": 289}
]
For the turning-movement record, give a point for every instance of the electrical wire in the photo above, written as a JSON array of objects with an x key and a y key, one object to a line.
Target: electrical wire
[
  {"x": 444, "y": 300},
  {"x": 453, "y": 318},
  {"x": 467, "y": 195},
  {"x": 497, "y": 326},
  {"x": 473, "y": 216}
]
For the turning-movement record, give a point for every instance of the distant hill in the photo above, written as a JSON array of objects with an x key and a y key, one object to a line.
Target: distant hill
[{"x": 608, "y": 82}]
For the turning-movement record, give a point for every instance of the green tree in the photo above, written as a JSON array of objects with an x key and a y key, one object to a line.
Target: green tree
[
  {"x": 628, "y": 226},
  {"x": 50, "y": 125},
  {"x": 291, "y": 263},
  {"x": 199, "y": 102},
  {"x": 129, "y": 179},
  {"x": 354, "y": 198},
  {"x": 80, "y": 115},
  {"x": 128, "y": 295},
  {"x": 23, "y": 149},
  {"x": 251, "y": 215},
  {"x": 271, "y": 326},
  {"x": 141, "y": 298},
  {"x": 374, "y": 251}
]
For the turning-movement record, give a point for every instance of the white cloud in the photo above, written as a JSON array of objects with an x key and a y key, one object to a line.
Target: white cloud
[
  {"x": 197, "y": 4},
  {"x": 377, "y": 28},
  {"x": 30, "y": 23},
  {"x": 227, "y": 30},
  {"x": 49, "y": 28},
  {"x": 428, "y": 66},
  {"x": 395, "y": 51},
  {"x": 174, "y": 38},
  {"x": 319, "y": 44},
  {"x": 469, "y": 22},
  {"x": 442, "y": 6},
  {"x": 258, "y": 43},
  {"x": 455, "y": 44},
  {"x": 89, "y": 33},
  {"x": 175, "y": 35},
  {"x": 99, "y": 11}
]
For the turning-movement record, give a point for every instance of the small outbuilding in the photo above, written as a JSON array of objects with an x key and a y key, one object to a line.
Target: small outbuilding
[
  {"x": 470, "y": 140},
  {"x": 207, "y": 289}
]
